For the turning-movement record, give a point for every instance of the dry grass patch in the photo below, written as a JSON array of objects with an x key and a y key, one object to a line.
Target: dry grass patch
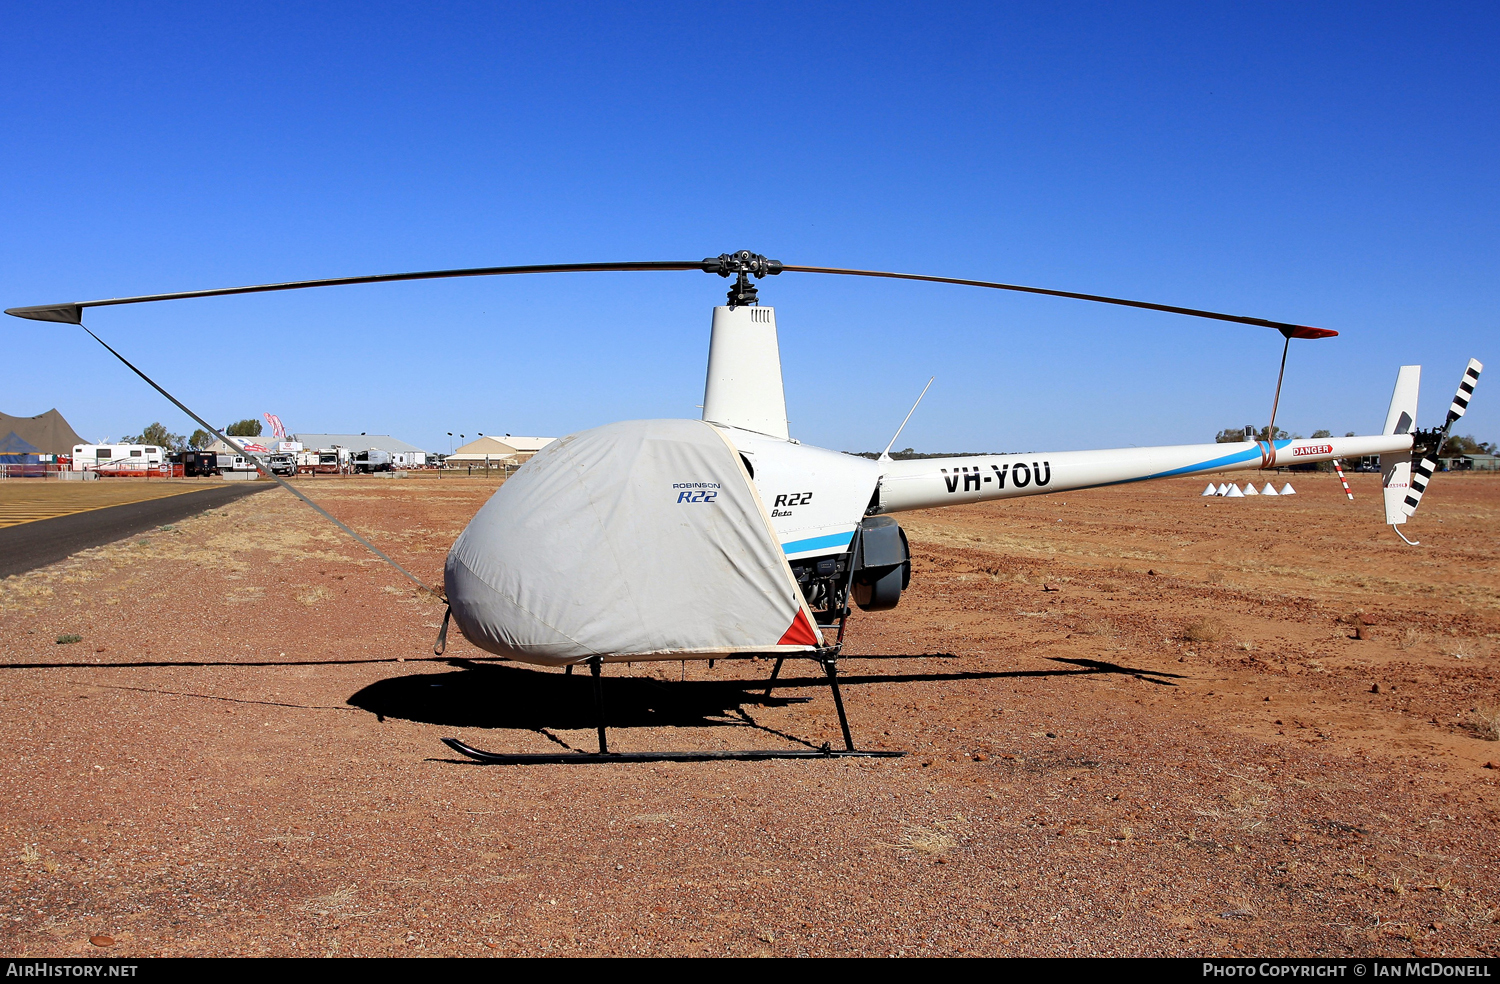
[
  {"x": 1462, "y": 649},
  {"x": 1204, "y": 630},
  {"x": 336, "y": 901},
  {"x": 313, "y": 595},
  {"x": 925, "y": 840},
  {"x": 1484, "y": 721},
  {"x": 1102, "y": 627}
]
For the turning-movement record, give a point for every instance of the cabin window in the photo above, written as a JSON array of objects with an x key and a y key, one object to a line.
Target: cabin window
[
  {"x": 103, "y": 453},
  {"x": 135, "y": 454}
]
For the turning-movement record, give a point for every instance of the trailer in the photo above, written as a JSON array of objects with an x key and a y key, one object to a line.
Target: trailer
[
  {"x": 373, "y": 460},
  {"x": 118, "y": 459}
]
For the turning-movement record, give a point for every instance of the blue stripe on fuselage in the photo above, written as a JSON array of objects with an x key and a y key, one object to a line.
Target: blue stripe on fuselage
[
  {"x": 838, "y": 540},
  {"x": 1228, "y": 459}
]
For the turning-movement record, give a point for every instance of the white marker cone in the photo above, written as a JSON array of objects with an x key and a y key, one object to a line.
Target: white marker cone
[
  {"x": 1234, "y": 493},
  {"x": 1223, "y": 490},
  {"x": 1268, "y": 490},
  {"x": 1288, "y": 490},
  {"x": 1211, "y": 490},
  {"x": 1250, "y": 489}
]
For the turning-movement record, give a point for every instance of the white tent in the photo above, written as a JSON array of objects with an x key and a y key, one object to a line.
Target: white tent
[
  {"x": 1287, "y": 489},
  {"x": 485, "y": 449},
  {"x": 1234, "y": 493},
  {"x": 1250, "y": 489},
  {"x": 1268, "y": 490},
  {"x": 1223, "y": 489},
  {"x": 1211, "y": 490},
  {"x": 684, "y": 558}
]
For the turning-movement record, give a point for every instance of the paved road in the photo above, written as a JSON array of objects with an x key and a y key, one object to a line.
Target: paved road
[{"x": 46, "y": 541}]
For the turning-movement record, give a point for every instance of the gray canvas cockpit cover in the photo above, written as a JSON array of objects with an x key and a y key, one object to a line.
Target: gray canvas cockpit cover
[{"x": 638, "y": 540}]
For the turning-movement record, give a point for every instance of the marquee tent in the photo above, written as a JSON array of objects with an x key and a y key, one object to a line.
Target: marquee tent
[
  {"x": 47, "y": 433},
  {"x": 481, "y": 450}
]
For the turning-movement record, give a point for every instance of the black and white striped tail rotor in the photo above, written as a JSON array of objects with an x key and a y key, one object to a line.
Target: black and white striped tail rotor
[{"x": 1423, "y": 469}]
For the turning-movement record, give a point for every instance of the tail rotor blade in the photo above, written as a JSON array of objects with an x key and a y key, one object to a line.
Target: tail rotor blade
[{"x": 1423, "y": 470}]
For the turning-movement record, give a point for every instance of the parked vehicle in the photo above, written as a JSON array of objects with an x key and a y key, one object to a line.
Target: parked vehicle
[
  {"x": 372, "y": 460},
  {"x": 91, "y": 457},
  {"x": 283, "y": 464},
  {"x": 197, "y": 463},
  {"x": 235, "y": 462}
]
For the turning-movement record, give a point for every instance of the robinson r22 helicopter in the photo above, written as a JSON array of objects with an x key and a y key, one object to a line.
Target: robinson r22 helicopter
[{"x": 725, "y": 537}]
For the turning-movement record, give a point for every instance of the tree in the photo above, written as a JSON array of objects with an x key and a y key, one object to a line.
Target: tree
[
  {"x": 157, "y": 436},
  {"x": 249, "y": 427},
  {"x": 1467, "y": 445},
  {"x": 200, "y": 439},
  {"x": 1236, "y": 434},
  {"x": 1322, "y": 433}
]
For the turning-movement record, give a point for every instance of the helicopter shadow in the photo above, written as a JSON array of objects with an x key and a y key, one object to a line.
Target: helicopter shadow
[
  {"x": 485, "y": 695},
  {"x": 507, "y": 696}
]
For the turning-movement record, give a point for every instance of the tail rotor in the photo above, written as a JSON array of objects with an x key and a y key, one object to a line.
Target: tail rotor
[{"x": 1430, "y": 443}]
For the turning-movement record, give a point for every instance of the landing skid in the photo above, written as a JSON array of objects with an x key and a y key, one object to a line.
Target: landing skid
[
  {"x": 590, "y": 758},
  {"x": 830, "y": 667}
]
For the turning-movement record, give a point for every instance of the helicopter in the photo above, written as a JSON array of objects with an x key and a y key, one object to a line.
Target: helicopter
[{"x": 725, "y": 537}]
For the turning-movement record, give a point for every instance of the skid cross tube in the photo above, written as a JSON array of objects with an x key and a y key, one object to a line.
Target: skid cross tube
[
  {"x": 771, "y": 683},
  {"x": 599, "y": 703},
  {"x": 831, "y": 667}
]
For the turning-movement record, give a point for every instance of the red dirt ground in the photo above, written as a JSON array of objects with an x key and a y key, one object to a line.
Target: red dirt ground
[{"x": 1236, "y": 727}]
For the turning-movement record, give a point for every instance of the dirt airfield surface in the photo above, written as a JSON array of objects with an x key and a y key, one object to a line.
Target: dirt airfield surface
[{"x": 1168, "y": 725}]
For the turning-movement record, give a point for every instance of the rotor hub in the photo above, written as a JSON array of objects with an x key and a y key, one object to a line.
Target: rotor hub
[{"x": 742, "y": 265}]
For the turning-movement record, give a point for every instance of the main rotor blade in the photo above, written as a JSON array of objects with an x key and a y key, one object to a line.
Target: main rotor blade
[
  {"x": 1289, "y": 330},
  {"x": 73, "y": 313}
]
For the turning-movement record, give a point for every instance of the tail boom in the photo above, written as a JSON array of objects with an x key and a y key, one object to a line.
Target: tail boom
[{"x": 928, "y": 482}]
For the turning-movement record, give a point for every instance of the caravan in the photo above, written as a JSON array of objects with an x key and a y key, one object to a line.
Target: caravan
[{"x": 119, "y": 458}]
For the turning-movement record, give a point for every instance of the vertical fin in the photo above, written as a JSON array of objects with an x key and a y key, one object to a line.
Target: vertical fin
[{"x": 1395, "y": 468}]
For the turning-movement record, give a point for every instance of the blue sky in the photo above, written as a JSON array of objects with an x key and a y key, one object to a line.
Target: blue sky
[{"x": 1332, "y": 165}]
